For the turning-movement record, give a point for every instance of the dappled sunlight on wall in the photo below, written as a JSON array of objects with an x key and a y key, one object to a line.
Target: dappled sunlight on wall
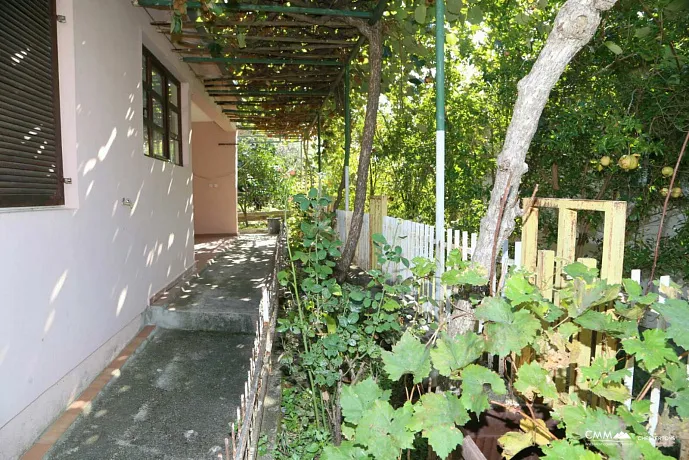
[{"x": 74, "y": 278}]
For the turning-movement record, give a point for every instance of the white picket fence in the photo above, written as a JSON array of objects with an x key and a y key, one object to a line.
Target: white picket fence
[{"x": 418, "y": 240}]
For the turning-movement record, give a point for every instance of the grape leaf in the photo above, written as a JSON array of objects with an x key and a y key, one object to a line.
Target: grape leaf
[
  {"x": 580, "y": 270},
  {"x": 537, "y": 429},
  {"x": 383, "y": 435},
  {"x": 638, "y": 415},
  {"x": 518, "y": 289},
  {"x": 514, "y": 442},
  {"x": 579, "y": 296},
  {"x": 504, "y": 339},
  {"x": 676, "y": 313},
  {"x": 495, "y": 309},
  {"x": 573, "y": 417},
  {"x": 651, "y": 352},
  {"x": 567, "y": 330},
  {"x": 597, "y": 426},
  {"x": 651, "y": 453},
  {"x": 436, "y": 416},
  {"x": 598, "y": 321},
  {"x": 564, "y": 449},
  {"x": 675, "y": 378},
  {"x": 422, "y": 266},
  {"x": 681, "y": 404},
  {"x": 356, "y": 399},
  {"x": 532, "y": 379},
  {"x": 470, "y": 276},
  {"x": 408, "y": 356},
  {"x": 453, "y": 353},
  {"x": 473, "y": 396},
  {"x": 603, "y": 380},
  {"x": 345, "y": 451}
]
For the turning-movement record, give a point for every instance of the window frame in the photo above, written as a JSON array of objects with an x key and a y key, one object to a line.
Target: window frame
[
  {"x": 149, "y": 95},
  {"x": 58, "y": 197}
]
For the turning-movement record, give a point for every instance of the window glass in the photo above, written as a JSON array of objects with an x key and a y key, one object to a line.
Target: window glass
[
  {"x": 158, "y": 140},
  {"x": 173, "y": 93},
  {"x": 174, "y": 124},
  {"x": 156, "y": 81},
  {"x": 173, "y": 151},
  {"x": 157, "y": 112}
]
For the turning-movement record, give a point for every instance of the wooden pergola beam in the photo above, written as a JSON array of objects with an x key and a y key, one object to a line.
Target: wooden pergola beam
[{"x": 268, "y": 61}]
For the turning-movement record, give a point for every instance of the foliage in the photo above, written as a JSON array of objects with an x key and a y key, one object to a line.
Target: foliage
[
  {"x": 338, "y": 332},
  {"x": 616, "y": 432},
  {"x": 298, "y": 438},
  {"x": 264, "y": 174}
]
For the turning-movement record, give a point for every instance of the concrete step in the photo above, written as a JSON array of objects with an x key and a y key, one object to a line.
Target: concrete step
[
  {"x": 225, "y": 295},
  {"x": 195, "y": 320}
]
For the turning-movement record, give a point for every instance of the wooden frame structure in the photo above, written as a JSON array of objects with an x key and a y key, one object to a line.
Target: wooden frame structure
[{"x": 547, "y": 264}]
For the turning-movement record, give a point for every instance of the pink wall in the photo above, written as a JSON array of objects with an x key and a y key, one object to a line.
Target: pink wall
[{"x": 215, "y": 179}]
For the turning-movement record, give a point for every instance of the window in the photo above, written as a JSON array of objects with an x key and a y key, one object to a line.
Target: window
[
  {"x": 30, "y": 145},
  {"x": 162, "y": 121}
]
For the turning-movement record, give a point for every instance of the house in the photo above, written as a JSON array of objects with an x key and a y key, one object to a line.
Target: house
[{"x": 112, "y": 157}]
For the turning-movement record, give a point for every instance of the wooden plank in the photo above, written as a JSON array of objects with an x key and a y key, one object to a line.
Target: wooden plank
[
  {"x": 585, "y": 336},
  {"x": 545, "y": 272},
  {"x": 567, "y": 203},
  {"x": 566, "y": 242},
  {"x": 530, "y": 241},
  {"x": 378, "y": 210},
  {"x": 613, "y": 241},
  {"x": 470, "y": 450}
]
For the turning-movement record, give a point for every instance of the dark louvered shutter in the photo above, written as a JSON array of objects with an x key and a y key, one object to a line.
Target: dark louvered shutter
[{"x": 30, "y": 150}]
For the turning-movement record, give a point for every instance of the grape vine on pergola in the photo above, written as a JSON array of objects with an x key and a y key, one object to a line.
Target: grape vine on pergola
[{"x": 271, "y": 66}]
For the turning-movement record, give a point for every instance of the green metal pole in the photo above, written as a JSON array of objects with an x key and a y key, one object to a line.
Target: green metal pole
[
  {"x": 348, "y": 134},
  {"x": 439, "y": 141}
]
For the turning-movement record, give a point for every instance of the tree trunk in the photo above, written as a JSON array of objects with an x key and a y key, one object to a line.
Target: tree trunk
[
  {"x": 340, "y": 191},
  {"x": 574, "y": 27},
  {"x": 374, "y": 35}
]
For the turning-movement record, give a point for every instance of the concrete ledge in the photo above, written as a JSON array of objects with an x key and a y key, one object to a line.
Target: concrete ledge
[
  {"x": 270, "y": 422},
  {"x": 195, "y": 320}
]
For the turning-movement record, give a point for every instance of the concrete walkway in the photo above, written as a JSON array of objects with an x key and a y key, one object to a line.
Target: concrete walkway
[{"x": 175, "y": 398}]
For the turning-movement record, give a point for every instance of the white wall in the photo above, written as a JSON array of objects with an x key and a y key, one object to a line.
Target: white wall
[{"x": 75, "y": 280}]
